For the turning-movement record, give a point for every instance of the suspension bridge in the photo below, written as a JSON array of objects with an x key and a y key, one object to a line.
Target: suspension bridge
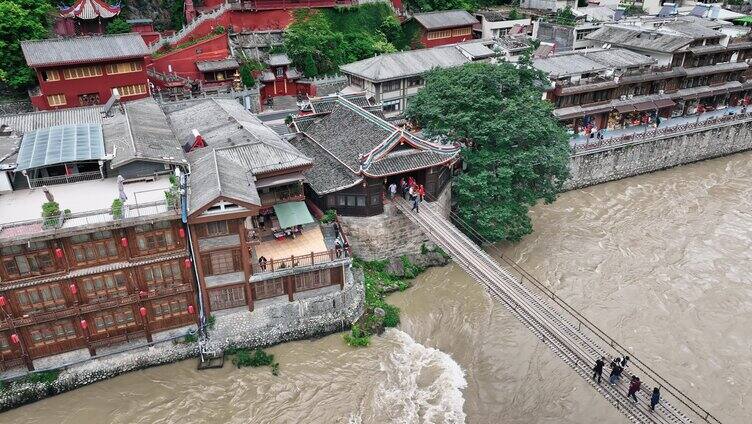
[{"x": 571, "y": 336}]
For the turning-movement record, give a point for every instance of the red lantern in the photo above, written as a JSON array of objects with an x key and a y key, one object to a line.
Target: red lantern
[
  {"x": 2, "y": 300},
  {"x": 181, "y": 233},
  {"x": 14, "y": 338},
  {"x": 59, "y": 253},
  {"x": 187, "y": 263},
  {"x": 142, "y": 311},
  {"x": 84, "y": 324},
  {"x": 124, "y": 242},
  {"x": 190, "y": 309},
  {"x": 73, "y": 289}
]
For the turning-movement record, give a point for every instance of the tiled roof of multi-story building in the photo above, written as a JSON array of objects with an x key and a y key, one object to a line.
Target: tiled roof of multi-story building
[{"x": 81, "y": 50}]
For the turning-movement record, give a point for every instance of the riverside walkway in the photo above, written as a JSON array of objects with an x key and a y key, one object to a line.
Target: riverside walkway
[{"x": 577, "y": 341}]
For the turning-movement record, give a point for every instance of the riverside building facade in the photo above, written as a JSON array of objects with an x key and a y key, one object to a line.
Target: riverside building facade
[{"x": 657, "y": 67}]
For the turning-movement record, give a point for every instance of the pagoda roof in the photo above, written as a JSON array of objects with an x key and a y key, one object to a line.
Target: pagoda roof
[{"x": 90, "y": 9}]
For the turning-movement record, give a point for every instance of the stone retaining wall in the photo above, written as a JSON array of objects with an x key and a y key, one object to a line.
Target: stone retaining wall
[
  {"x": 389, "y": 234},
  {"x": 325, "y": 313},
  {"x": 610, "y": 163}
]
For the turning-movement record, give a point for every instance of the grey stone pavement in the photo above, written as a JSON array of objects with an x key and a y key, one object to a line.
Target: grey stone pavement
[{"x": 665, "y": 123}]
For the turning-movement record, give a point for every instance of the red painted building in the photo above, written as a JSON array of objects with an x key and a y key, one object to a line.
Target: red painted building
[
  {"x": 145, "y": 27},
  {"x": 253, "y": 5},
  {"x": 83, "y": 71},
  {"x": 444, "y": 27},
  {"x": 183, "y": 62},
  {"x": 85, "y": 17}
]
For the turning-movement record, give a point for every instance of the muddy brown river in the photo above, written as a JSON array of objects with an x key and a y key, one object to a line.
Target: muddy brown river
[{"x": 661, "y": 261}]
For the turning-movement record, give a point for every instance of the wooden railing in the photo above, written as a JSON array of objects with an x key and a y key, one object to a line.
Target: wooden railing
[{"x": 313, "y": 258}]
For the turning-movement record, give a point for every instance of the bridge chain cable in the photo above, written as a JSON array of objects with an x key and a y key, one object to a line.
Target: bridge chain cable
[{"x": 567, "y": 339}]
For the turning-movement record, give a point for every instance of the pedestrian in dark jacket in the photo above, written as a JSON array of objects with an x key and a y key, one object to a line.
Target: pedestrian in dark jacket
[
  {"x": 634, "y": 386},
  {"x": 624, "y": 361},
  {"x": 655, "y": 398},
  {"x": 416, "y": 202},
  {"x": 598, "y": 369},
  {"x": 615, "y": 372}
]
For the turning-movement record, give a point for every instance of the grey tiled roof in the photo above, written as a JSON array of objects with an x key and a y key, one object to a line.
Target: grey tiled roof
[
  {"x": 346, "y": 134},
  {"x": 214, "y": 175},
  {"x": 9, "y": 149},
  {"x": 328, "y": 174},
  {"x": 31, "y": 121},
  {"x": 150, "y": 137},
  {"x": 279, "y": 59},
  {"x": 225, "y": 123},
  {"x": 661, "y": 39},
  {"x": 579, "y": 62},
  {"x": 326, "y": 104},
  {"x": 350, "y": 142},
  {"x": 445, "y": 19},
  {"x": 391, "y": 66},
  {"x": 59, "y": 51},
  {"x": 217, "y": 65},
  {"x": 406, "y": 160}
]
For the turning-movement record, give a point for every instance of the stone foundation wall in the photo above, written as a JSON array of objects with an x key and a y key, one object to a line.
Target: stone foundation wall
[
  {"x": 324, "y": 313},
  {"x": 619, "y": 161},
  {"x": 389, "y": 234}
]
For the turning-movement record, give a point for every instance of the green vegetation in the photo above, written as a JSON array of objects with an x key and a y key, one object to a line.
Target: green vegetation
[
  {"x": 211, "y": 320},
  {"x": 190, "y": 338},
  {"x": 565, "y": 17},
  {"x": 20, "y": 20},
  {"x": 255, "y": 358},
  {"x": 329, "y": 216},
  {"x": 117, "y": 209},
  {"x": 51, "y": 214},
  {"x": 219, "y": 29},
  {"x": 377, "y": 283},
  {"x": 514, "y": 14},
  {"x": 118, "y": 26},
  {"x": 177, "y": 17},
  {"x": 515, "y": 151},
  {"x": 45, "y": 377},
  {"x": 173, "y": 194},
  {"x": 416, "y": 6},
  {"x": 357, "y": 337},
  {"x": 247, "y": 68},
  {"x": 319, "y": 41},
  {"x": 169, "y": 49}
]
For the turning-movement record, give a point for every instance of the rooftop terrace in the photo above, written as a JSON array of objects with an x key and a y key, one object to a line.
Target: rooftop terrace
[{"x": 88, "y": 201}]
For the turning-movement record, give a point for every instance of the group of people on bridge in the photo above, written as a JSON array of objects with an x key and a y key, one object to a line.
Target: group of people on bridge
[
  {"x": 410, "y": 190},
  {"x": 617, "y": 367}
]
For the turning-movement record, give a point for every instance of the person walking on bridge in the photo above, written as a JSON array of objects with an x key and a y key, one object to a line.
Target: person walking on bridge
[
  {"x": 634, "y": 387},
  {"x": 655, "y": 398},
  {"x": 416, "y": 202},
  {"x": 615, "y": 372},
  {"x": 598, "y": 369}
]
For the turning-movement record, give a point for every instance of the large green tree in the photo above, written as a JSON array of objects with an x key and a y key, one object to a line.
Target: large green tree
[
  {"x": 416, "y": 6},
  {"x": 514, "y": 151},
  {"x": 319, "y": 41},
  {"x": 20, "y": 20}
]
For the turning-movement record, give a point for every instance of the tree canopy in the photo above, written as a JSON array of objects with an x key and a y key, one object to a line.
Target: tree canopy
[
  {"x": 319, "y": 41},
  {"x": 20, "y": 20},
  {"x": 416, "y": 6},
  {"x": 118, "y": 26},
  {"x": 514, "y": 151}
]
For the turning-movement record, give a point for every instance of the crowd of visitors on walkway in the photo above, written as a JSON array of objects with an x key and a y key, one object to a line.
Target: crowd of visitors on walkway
[
  {"x": 410, "y": 190},
  {"x": 617, "y": 368}
]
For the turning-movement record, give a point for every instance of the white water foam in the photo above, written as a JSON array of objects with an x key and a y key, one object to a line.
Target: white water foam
[{"x": 421, "y": 384}]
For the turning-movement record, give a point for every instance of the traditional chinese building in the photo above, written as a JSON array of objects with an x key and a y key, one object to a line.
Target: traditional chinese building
[
  {"x": 357, "y": 154},
  {"x": 254, "y": 239},
  {"x": 84, "y": 71},
  {"x": 89, "y": 274},
  {"x": 86, "y": 17},
  {"x": 667, "y": 67},
  {"x": 443, "y": 27},
  {"x": 393, "y": 78}
]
